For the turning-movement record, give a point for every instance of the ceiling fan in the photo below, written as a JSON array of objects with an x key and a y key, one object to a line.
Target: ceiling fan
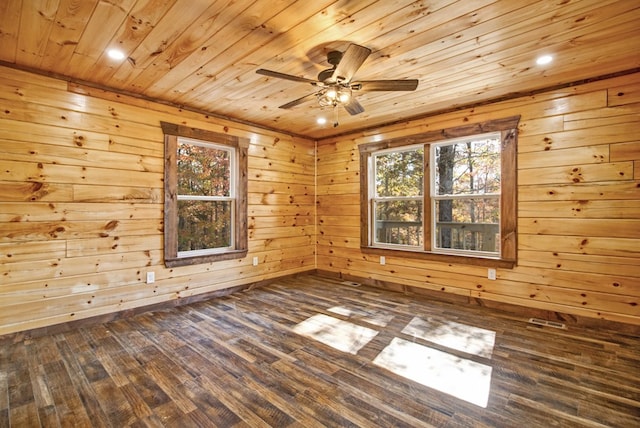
[{"x": 336, "y": 85}]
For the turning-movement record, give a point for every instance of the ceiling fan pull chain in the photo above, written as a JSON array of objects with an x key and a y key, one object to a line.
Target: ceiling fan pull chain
[{"x": 335, "y": 109}]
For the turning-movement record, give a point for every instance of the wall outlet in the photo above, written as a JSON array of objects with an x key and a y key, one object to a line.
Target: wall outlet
[
  {"x": 151, "y": 277},
  {"x": 255, "y": 260},
  {"x": 491, "y": 274},
  {"x": 383, "y": 260}
]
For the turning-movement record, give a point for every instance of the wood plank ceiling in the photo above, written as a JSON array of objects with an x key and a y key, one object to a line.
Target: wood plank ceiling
[{"x": 203, "y": 54}]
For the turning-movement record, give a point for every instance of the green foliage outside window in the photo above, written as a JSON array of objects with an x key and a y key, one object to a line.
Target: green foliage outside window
[
  {"x": 399, "y": 183},
  {"x": 466, "y": 195},
  {"x": 205, "y": 199},
  {"x": 465, "y": 169},
  {"x": 400, "y": 173},
  {"x": 203, "y": 225}
]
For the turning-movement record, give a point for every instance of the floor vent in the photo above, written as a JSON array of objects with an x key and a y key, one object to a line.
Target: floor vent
[
  {"x": 546, "y": 323},
  {"x": 351, "y": 283}
]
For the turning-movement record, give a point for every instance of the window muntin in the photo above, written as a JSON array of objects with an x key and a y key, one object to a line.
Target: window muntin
[
  {"x": 465, "y": 195},
  {"x": 206, "y": 197}
]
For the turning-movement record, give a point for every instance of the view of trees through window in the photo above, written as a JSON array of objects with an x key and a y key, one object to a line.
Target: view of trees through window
[
  {"x": 399, "y": 182},
  {"x": 205, "y": 196},
  {"x": 465, "y": 195}
]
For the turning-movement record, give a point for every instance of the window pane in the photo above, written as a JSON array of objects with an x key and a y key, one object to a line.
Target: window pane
[
  {"x": 468, "y": 167},
  {"x": 203, "y": 170},
  {"x": 399, "y": 173},
  {"x": 468, "y": 224},
  {"x": 399, "y": 222},
  {"x": 204, "y": 224}
]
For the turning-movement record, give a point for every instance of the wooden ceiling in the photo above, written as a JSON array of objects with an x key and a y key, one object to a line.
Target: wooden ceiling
[{"x": 203, "y": 54}]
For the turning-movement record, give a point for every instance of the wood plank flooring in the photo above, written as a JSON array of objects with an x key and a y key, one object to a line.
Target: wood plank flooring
[{"x": 240, "y": 361}]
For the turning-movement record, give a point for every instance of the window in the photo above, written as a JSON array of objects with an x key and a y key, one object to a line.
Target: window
[
  {"x": 398, "y": 181},
  {"x": 465, "y": 195},
  {"x": 445, "y": 195},
  {"x": 205, "y": 196}
]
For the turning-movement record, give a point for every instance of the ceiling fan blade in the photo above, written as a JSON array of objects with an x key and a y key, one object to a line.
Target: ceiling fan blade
[
  {"x": 299, "y": 101},
  {"x": 352, "y": 59},
  {"x": 353, "y": 107},
  {"x": 386, "y": 85},
  {"x": 284, "y": 76}
]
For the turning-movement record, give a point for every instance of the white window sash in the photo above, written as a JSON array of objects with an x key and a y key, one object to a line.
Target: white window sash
[
  {"x": 233, "y": 168},
  {"x": 374, "y": 199}
]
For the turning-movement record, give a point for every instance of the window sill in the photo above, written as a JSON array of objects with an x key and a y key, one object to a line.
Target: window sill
[
  {"x": 194, "y": 260},
  {"x": 444, "y": 258}
]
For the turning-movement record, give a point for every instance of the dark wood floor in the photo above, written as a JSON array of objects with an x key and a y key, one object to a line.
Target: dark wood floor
[{"x": 238, "y": 361}]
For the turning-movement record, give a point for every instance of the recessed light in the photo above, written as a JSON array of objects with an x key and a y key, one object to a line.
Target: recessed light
[
  {"x": 321, "y": 120},
  {"x": 544, "y": 59},
  {"x": 116, "y": 54}
]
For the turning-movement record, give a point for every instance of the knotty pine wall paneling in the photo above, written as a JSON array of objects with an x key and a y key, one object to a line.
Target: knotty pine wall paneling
[
  {"x": 578, "y": 205},
  {"x": 81, "y": 204}
]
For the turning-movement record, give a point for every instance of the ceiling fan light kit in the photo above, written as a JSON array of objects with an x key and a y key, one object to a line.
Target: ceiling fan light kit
[
  {"x": 334, "y": 95},
  {"x": 336, "y": 86}
]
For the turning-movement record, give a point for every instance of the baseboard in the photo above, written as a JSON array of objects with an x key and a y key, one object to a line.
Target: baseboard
[
  {"x": 509, "y": 310},
  {"x": 113, "y": 316}
]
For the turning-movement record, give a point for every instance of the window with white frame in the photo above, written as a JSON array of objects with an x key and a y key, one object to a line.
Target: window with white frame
[
  {"x": 397, "y": 199},
  {"x": 205, "y": 196},
  {"x": 442, "y": 197},
  {"x": 465, "y": 195}
]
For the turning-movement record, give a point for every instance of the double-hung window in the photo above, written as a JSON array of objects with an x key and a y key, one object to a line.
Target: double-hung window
[
  {"x": 397, "y": 200},
  {"x": 465, "y": 195},
  {"x": 205, "y": 196},
  {"x": 444, "y": 195}
]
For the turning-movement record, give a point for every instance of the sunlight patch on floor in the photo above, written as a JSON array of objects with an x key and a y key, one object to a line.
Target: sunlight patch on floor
[
  {"x": 377, "y": 318},
  {"x": 341, "y": 335},
  {"x": 461, "y": 337},
  {"x": 462, "y": 378}
]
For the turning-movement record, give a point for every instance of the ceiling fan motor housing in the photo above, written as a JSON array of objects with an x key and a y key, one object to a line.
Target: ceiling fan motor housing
[{"x": 333, "y": 58}]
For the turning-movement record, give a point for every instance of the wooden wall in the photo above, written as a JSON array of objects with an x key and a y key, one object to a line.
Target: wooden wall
[
  {"x": 578, "y": 205},
  {"x": 81, "y": 204}
]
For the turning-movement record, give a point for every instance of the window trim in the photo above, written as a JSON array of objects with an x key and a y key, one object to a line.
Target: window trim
[
  {"x": 508, "y": 128},
  {"x": 240, "y": 238}
]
